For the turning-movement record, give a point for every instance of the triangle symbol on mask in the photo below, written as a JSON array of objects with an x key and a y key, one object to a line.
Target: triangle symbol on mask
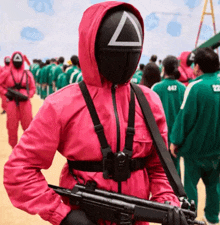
[
  {"x": 17, "y": 58},
  {"x": 121, "y": 37},
  {"x": 192, "y": 56}
]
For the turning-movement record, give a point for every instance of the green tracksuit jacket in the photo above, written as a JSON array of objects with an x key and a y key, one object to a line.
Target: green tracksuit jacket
[
  {"x": 196, "y": 129},
  {"x": 50, "y": 72},
  {"x": 171, "y": 93},
  {"x": 197, "y": 133},
  {"x": 76, "y": 76},
  {"x": 136, "y": 79},
  {"x": 69, "y": 71},
  {"x": 58, "y": 70}
]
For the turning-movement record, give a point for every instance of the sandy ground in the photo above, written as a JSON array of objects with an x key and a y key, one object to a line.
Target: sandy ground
[{"x": 9, "y": 215}]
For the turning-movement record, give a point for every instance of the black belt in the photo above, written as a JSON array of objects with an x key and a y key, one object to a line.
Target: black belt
[{"x": 97, "y": 166}]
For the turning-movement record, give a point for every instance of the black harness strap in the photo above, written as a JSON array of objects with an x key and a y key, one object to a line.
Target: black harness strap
[
  {"x": 130, "y": 129},
  {"x": 110, "y": 165},
  {"x": 97, "y": 166},
  {"x": 161, "y": 148},
  {"x": 97, "y": 125},
  {"x": 27, "y": 83},
  {"x": 18, "y": 86}
]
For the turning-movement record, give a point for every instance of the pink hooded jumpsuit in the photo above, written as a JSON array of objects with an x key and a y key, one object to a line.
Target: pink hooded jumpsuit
[
  {"x": 23, "y": 111},
  {"x": 186, "y": 72},
  {"x": 3, "y": 69},
  {"x": 63, "y": 123}
]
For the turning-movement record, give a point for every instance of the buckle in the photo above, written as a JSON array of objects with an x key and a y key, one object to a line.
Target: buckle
[
  {"x": 121, "y": 167},
  {"x": 98, "y": 128},
  {"x": 107, "y": 162}
]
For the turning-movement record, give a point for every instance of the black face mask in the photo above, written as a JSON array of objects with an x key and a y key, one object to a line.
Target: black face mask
[
  {"x": 118, "y": 46},
  {"x": 7, "y": 61},
  {"x": 17, "y": 60},
  {"x": 190, "y": 59}
]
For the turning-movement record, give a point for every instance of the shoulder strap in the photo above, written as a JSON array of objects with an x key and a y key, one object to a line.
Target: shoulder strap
[
  {"x": 13, "y": 78},
  {"x": 161, "y": 148},
  {"x": 27, "y": 84},
  {"x": 97, "y": 125},
  {"x": 130, "y": 129}
]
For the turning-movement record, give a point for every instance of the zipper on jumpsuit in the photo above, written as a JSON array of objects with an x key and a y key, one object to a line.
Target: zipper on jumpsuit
[{"x": 113, "y": 90}]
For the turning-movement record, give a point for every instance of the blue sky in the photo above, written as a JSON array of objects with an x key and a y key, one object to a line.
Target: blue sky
[{"x": 49, "y": 28}]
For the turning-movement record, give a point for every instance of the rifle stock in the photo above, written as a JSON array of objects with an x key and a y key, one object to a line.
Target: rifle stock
[{"x": 119, "y": 208}]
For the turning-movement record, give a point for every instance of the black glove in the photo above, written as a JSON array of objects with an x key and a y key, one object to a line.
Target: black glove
[
  {"x": 175, "y": 217},
  {"x": 76, "y": 217}
]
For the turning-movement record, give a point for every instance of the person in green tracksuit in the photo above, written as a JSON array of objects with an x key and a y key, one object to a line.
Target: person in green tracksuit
[
  {"x": 171, "y": 93},
  {"x": 38, "y": 78},
  {"x": 44, "y": 81},
  {"x": 160, "y": 65},
  {"x": 75, "y": 61},
  {"x": 76, "y": 75},
  {"x": 57, "y": 70},
  {"x": 196, "y": 132},
  {"x": 49, "y": 73},
  {"x": 151, "y": 75},
  {"x": 61, "y": 78},
  {"x": 79, "y": 77},
  {"x": 33, "y": 66},
  {"x": 138, "y": 75}
]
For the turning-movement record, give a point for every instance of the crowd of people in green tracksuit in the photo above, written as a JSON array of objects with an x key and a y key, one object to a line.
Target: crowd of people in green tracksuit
[
  {"x": 190, "y": 95},
  {"x": 54, "y": 74}
]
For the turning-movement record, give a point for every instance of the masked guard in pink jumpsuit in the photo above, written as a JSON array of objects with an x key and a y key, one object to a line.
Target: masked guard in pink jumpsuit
[
  {"x": 110, "y": 46},
  {"x": 5, "y": 68},
  {"x": 186, "y": 71},
  {"x": 21, "y": 83}
]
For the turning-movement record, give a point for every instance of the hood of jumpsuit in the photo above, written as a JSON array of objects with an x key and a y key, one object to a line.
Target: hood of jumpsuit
[
  {"x": 88, "y": 29},
  {"x": 13, "y": 68},
  {"x": 183, "y": 59},
  {"x": 185, "y": 70},
  {"x": 7, "y": 57}
]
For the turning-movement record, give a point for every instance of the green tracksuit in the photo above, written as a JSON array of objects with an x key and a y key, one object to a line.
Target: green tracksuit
[
  {"x": 60, "y": 80},
  {"x": 50, "y": 72},
  {"x": 69, "y": 71},
  {"x": 76, "y": 76},
  {"x": 44, "y": 82},
  {"x": 137, "y": 77},
  {"x": 33, "y": 68},
  {"x": 171, "y": 93},
  {"x": 58, "y": 70},
  {"x": 197, "y": 133},
  {"x": 64, "y": 81},
  {"x": 38, "y": 81}
]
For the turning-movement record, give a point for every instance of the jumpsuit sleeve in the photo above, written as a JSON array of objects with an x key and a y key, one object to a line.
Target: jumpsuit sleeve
[
  {"x": 32, "y": 86},
  {"x": 25, "y": 184},
  {"x": 3, "y": 90},
  {"x": 186, "y": 117},
  {"x": 159, "y": 185}
]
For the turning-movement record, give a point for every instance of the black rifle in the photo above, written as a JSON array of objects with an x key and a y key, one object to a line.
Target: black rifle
[
  {"x": 119, "y": 208},
  {"x": 15, "y": 95}
]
